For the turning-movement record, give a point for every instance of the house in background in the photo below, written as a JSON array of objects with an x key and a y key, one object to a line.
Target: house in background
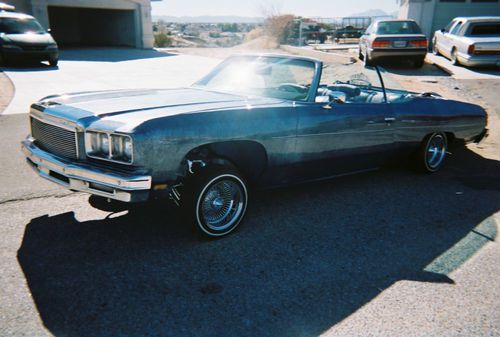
[
  {"x": 433, "y": 15},
  {"x": 93, "y": 22}
]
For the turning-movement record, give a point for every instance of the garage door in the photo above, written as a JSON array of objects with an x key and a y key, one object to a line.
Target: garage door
[{"x": 73, "y": 26}]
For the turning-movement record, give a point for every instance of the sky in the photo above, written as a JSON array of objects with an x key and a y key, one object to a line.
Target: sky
[{"x": 311, "y": 8}]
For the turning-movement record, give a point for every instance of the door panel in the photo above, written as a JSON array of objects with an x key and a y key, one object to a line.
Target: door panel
[{"x": 346, "y": 138}]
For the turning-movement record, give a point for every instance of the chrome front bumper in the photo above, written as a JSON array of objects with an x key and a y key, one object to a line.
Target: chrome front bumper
[{"x": 86, "y": 178}]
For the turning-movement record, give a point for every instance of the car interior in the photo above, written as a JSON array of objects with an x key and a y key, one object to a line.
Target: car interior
[{"x": 362, "y": 93}]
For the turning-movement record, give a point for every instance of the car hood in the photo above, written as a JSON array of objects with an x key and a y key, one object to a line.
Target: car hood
[
  {"x": 126, "y": 109},
  {"x": 24, "y": 39}
]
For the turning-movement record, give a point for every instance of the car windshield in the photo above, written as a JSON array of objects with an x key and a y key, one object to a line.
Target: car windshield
[
  {"x": 269, "y": 76},
  {"x": 485, "y": 29},
  {"x": 398, "y": 27},
  {"x": 20, "y": 26}
]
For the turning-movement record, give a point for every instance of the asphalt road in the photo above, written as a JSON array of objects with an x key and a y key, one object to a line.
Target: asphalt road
[{"x": 388, "y": 253}]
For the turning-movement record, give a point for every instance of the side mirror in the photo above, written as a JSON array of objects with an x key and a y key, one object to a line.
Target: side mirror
[{"x": 443, "y": 30}]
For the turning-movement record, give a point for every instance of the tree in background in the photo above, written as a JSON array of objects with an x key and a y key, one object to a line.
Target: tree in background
[{"x": 280, "y": 27}]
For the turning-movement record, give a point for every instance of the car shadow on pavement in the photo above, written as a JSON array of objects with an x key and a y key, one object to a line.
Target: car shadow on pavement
[
  {"x": 402, "y": 68},
  {"x": 306, "y": 258},
  {"x": 26, "y": 66}
]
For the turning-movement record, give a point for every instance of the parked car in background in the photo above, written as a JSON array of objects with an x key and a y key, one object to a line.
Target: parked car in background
[
  {"x": 255, "y": 121},
  {"x": 400, "y": 39},
  {"x": 471, "y": 41},
  {"x": 23, "y": 38}
]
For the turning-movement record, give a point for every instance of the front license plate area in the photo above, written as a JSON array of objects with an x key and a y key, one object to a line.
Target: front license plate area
[{"x": 399, "y": 44}]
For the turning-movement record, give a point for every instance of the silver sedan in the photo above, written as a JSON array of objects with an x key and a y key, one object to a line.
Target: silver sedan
[{"x": 401, "y": 39}]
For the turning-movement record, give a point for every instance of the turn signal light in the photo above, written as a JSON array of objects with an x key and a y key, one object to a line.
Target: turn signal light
[
  {"x": 418, "y": 43},
  {"x": 471, "y": 49},
  {"x": 381, "y": 44}
]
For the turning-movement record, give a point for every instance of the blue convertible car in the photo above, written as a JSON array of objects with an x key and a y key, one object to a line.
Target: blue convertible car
[{"x": 254, "y": 121}]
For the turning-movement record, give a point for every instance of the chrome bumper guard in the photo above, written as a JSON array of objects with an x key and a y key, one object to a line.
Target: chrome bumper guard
[{"x": 84, "y": 178}]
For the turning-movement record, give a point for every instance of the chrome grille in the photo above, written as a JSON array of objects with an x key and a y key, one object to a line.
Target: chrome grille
[{"x": 54, "y": 139}]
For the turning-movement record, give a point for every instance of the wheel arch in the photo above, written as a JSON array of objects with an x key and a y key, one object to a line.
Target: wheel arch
[
  {"x": 248, "y": 157},
  {"x": 450, "y": 136}
]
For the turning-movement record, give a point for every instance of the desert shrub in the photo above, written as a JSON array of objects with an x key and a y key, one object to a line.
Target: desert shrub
[
  {"x": 280, "y": 27},
  {"x": 162, "y": 40}
]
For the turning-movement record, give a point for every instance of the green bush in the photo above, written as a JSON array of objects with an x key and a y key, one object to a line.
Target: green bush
[{"x": 162, "y": 40}]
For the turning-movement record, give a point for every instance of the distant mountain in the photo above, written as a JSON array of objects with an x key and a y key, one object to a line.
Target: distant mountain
[
  {"x": 209, "y": 19},
  {"x": 373, "y": 12}
]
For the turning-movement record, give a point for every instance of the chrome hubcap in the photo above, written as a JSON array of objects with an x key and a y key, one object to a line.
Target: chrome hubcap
[
  {"x": 222, "y": 204},
  {"x": 436, "y": 151}
]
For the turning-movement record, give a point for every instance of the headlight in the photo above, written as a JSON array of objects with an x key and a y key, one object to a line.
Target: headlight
[{"x": 112, "y": 147}]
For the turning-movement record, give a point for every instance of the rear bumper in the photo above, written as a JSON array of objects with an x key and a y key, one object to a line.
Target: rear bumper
[
  {"x": 479, "y": 60},
  {"x": 392, "y": 52},
  {"x": 86, "y": 178}
]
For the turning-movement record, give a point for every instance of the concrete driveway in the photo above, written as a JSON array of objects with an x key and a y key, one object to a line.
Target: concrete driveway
[
  {"x": 462, "y": 72},
  {"x": 104, "y": 69}
]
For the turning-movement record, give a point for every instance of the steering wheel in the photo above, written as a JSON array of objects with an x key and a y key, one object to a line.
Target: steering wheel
[{"x": 293, "y": 88}]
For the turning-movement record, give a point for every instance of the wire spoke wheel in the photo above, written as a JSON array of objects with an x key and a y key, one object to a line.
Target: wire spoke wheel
[
  {"x": 221, "y": 204},
  {"x": 435, "y": 152}
]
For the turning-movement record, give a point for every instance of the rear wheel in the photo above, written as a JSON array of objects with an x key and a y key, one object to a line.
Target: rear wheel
[
  {"x": 432, "y": 153},
  {"x": 418, "y": 62},
  {"x": 435, "y": 49},
  {"x": 215, "y": 200},
  {"x": 454, "y": 57},
  {"x": 367, "y": 61}
]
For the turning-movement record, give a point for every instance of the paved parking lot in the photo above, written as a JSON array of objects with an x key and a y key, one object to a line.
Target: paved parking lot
[
  {"x": 388, "y": 253},
  {"x": 104, "y": 69}
]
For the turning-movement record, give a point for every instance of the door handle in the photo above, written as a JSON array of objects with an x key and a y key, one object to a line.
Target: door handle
[{"x": 389, "y": 119}]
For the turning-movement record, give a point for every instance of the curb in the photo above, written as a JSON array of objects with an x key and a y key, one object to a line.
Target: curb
[
  {"x": 7, "y": 95},
  {"x": 334, "y": 57}
]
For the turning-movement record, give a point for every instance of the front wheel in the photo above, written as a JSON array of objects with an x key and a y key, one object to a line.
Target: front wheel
[
  {"x": 53, "y": 62},
  {"x": 215, "y": 200},
  {"x": 432, "y": 153}
]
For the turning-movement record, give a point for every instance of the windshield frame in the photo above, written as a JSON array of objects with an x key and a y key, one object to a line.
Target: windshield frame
[{"x": 311, "y": 96}]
